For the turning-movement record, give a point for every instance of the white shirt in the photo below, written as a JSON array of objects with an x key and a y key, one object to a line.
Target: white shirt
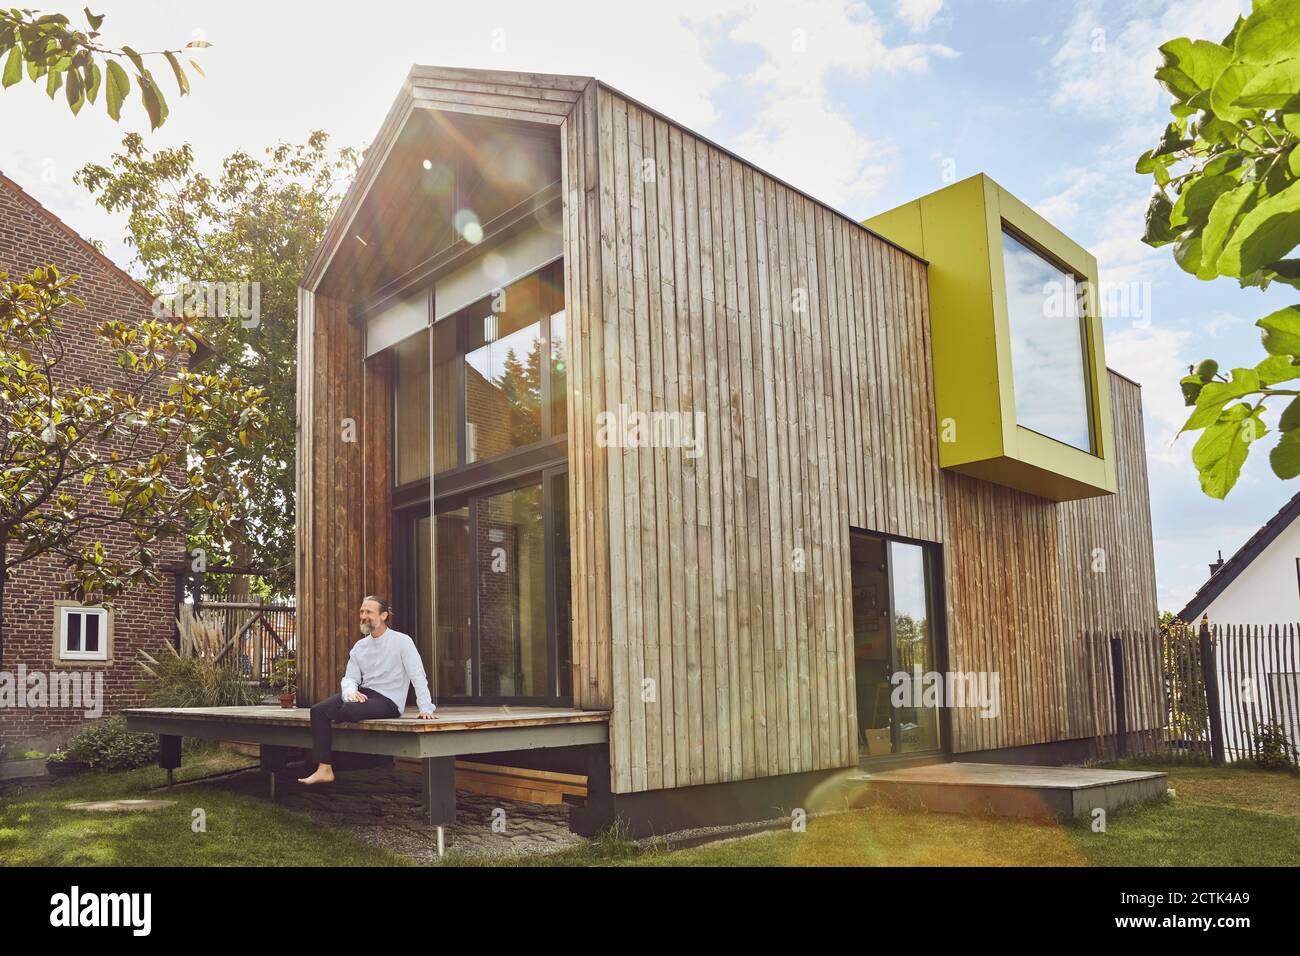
[{"x": 388, "y": 664}]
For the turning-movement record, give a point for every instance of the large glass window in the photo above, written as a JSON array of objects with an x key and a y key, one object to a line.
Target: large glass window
[
  {"x": 1048, "y": 346},
  {"x": 500, "y": 378},
  {"x": 503, "y": 596}
]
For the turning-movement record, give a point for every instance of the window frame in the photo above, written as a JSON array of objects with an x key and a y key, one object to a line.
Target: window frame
[
  {"x": 62, "y": 611},
  {"x": 1086, "y": 344}
]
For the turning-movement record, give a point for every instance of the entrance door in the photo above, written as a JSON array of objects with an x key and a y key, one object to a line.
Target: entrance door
[{"x": 895, "y": 629}]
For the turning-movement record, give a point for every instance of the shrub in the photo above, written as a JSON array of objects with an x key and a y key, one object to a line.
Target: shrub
[
  {"x": 108, "y": 746},
  {"x": 193, "y": 681},
  {"x": 1273, "y": 751}
]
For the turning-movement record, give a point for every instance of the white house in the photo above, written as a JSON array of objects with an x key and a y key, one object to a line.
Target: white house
[{"x": 1260, "y": 584}]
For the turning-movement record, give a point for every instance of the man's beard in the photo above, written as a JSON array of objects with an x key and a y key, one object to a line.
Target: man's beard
[{"x": 366, "y": 629}]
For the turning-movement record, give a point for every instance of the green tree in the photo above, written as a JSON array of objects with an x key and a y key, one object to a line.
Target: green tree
[
  {"x": 1227, "y": 198},
  {"x": 148, "y": 453},
  {"x": 47, "y": 46},
  {"x": 258, "y": 222}
]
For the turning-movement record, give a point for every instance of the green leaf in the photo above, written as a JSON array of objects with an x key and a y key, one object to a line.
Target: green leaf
[
  {"x": 92, "y": 84},
  {"x": 95, "y": 21},
  {"x": 118, "y": 88},
  {"x": 1215, "y": 395},
  {"x": 1272, "y": 87},
  {"x": 1282, "y": 331},
  {"x": 154, "y": 101},
  {"x": 182, "y": 81},
  {"x": 13, "y": 67},
  {"x": 1285, "y": 456},
  {"x": 53, "y": 80},
  {"x": 1228, "y": 87},
  {"x": 1263, "y": 234},
  {"x": 197, "y": 45},
  {"x": 74, "y": 93},
  {"x": 1227, "y": 209},
  {"x": 1196, "y": 201},
  {"x": 1191, "y": 66},
  {"x": 1187, "y": 253},
  {"x": 1275, "y": 369},
  {"x": 135, "y": 58},
  {"x": 1158, "y": 231},
  {"x": 1221, "y": 451},
  {"x": 1270, "y": 33},
  {"x": 1290, "y": 420}
]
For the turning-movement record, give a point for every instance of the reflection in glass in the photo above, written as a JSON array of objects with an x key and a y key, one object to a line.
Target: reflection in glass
[
  {"x": 1047, "y": 346},
  {"x": 512, "y": 603},
  {"x": 411, "y": 403},
  {"x": 455, "y": 649},
  {"x": 918, "y": 727},
  {"x": 559, "y": 375},
  {"x": 563, "y": 596}
]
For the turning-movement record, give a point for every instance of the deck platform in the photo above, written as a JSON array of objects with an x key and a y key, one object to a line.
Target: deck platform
[
  {"x": 1015, "y": 791},
  {"x": 436, "y": 743}
]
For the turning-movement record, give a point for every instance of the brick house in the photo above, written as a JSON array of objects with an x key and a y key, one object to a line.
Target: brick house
[{"x": 44, "y": 630}]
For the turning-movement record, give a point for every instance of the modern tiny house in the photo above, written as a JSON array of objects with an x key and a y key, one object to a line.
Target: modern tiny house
[{"x": 623, "y": 423}]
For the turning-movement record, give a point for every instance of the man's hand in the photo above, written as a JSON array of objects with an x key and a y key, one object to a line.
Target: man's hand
[
  {"x": 356, "y": 698},
  {"x": 427, "y": 715}
]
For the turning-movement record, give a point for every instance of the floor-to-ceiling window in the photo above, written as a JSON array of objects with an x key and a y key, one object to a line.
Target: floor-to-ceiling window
[
  {"x": 493, "y": 543},
  {"x": 896, "y": 630}
]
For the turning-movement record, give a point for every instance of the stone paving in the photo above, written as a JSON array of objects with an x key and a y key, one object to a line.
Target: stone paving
[{"x": 381, "y": 806}]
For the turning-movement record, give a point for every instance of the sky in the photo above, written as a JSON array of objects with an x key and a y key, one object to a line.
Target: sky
[{"x": 864, "y": 105}]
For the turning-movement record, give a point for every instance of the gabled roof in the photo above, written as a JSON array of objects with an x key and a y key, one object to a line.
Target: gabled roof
[
  {"x": 540, "y": 98},
  {"x": 203, "y": 348},
  {"x": 1247, "y": 553}
]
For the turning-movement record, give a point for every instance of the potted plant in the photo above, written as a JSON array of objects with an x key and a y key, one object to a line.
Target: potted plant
[
  {"x": 61, "y": 764},
  {"x": 284, "y": 676}
]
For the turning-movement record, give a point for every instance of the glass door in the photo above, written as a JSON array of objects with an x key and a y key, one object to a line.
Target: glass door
[
  {"x": 503, "y": 599},
  {"x": 894, "y": 635}
]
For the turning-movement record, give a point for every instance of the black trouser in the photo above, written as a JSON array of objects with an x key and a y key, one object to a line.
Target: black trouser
[{"x": 335, "y": 708}]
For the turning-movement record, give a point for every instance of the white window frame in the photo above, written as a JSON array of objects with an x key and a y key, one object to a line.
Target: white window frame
[{"x": 83, "y": 655}]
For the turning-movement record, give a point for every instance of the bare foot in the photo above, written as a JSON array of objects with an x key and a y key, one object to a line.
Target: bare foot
[{"x": 324, "y": 774}]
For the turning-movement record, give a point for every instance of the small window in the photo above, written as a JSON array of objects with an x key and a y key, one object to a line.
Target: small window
[{"x": 83, "y": 633}]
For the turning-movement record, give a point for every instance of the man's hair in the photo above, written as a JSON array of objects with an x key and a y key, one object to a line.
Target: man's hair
[{"x": 383, "y": 606}]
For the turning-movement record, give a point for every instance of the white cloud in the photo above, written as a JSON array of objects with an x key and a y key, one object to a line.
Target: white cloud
[
  {"x": 919, "y": 14},
  {"x": 799, "y": 134},
  {"x": 1105, "y": 63}
]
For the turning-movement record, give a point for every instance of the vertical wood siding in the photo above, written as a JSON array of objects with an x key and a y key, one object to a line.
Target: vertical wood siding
[
  {"x": 1031, "y": 583},
  {"x": 719, "y": 584}
]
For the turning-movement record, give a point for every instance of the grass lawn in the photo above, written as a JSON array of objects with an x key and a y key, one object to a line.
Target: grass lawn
[
  {"x": 1220, "y": 817},
  {"x": 37, "y": 830}
]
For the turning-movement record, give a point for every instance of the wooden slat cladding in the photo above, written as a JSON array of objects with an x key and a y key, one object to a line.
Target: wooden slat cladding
[
  {"x": 1031, "y": 585},
  {"x": 700, "y": 285},
  {"x": 335, "y": 502},
  {"x": 1108, "y": 576},
  {"x": 1004, "y": 612}
]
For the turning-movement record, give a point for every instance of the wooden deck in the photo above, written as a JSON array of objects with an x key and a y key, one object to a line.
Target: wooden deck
[
  {"x": 436, "y": 743},
  {"x": 1014, "y": 790}
]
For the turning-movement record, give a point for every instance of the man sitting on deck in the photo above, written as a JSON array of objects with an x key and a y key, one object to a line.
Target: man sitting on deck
[{"x": 381, "y": 669}]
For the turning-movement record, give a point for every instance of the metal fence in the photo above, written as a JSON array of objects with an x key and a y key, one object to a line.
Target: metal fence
[
  {"x": 1229, "y": 692},
  {"x": 250, "y": 637}
]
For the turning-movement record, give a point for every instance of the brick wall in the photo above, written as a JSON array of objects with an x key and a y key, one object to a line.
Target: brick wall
[{"x": 142, "y": 618}]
